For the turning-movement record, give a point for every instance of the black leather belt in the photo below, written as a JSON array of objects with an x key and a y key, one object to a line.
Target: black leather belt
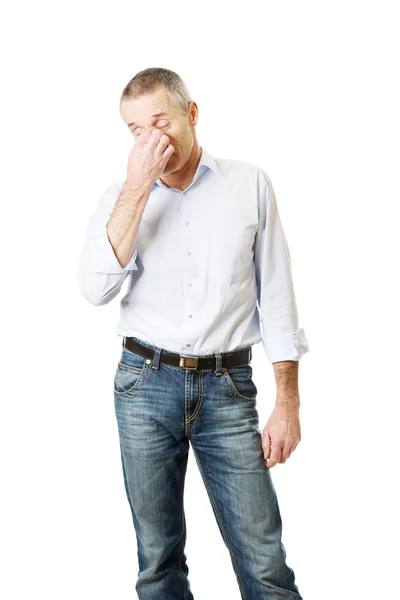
[{"x": 189, "y": 362}]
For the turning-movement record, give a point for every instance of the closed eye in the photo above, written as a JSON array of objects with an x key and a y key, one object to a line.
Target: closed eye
[{"x": 163, "y": 127}]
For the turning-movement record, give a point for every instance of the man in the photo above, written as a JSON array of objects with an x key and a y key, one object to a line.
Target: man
[{"x": 208, "y": 264}]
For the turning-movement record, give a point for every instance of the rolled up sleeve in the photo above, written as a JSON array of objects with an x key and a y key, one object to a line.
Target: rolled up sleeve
[
  {"x": 281, "y": 336},
  {"x": 99, "y": 273}
]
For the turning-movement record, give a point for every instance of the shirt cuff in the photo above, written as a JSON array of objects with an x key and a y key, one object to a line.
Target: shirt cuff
[{"x": 285, "y": 347}]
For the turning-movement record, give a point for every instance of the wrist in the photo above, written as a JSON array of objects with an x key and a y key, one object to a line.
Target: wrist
[
  {"x": 287, "y": 400},
  {"x": 137, "y": 185}
]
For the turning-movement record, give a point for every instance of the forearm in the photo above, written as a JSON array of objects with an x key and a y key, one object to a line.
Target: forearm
[
  {"x": 287, "y": 387},
  {"x": 123, "y": 224}
]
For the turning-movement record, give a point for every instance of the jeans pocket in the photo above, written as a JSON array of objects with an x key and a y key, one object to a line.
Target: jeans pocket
[
  {"x": 132, "y": 372},
  {"x": 240, "y": 384}
]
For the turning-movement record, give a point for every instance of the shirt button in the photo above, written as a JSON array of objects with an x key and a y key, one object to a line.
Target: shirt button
[
  {"x": 190, "y": 284},
  {"x": 185, "y": 193},
  {"x": 188, "y": 345},
  {"x": 190, "y": 316},
  {"x": 187, "y": 222},
  {"x": 189, "y": 253}
]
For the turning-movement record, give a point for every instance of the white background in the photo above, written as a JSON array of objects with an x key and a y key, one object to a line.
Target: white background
[{"x": 308, "y": 91}]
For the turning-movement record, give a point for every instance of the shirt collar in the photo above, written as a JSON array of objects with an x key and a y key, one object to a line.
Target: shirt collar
[{"x": 206, "y": 161}]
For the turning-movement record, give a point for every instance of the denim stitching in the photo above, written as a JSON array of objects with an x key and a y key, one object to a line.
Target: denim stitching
[
  {"x": 187, "y": 426},
  {"x": 199, "y": 398},
  {"x": 122, "y": 365},
  {"x": 228, "y": 382},
  {"x": 133, "y": 387},
  {"x": 225, "y": 537}
]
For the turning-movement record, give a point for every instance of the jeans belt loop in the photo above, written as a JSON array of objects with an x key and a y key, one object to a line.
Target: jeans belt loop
[
  {"x": 218, "y": 367},
  {"x": 156, "y": 358}
]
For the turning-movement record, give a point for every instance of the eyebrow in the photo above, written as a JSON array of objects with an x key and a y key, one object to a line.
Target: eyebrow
[{"x": 161, "y": 114}]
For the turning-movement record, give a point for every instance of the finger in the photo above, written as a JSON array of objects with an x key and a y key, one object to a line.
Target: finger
[
  {"x": 162, "y": 145},
  {"x": 266, "y": 445},
  {"x": 286, "y": 452},
  {"x": 144, "y": 137},
  {"x": 290, "y": 450},
  {"x": 276, "y": 453},
  {"x": 168, "y": 152},
  {"x": 154, "y": 138}
]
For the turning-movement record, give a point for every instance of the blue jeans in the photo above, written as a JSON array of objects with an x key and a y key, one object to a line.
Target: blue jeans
[{"x": 159, "y": 409}]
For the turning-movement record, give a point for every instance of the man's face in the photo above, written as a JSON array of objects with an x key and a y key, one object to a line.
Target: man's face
[{"x": 139, "y": 115}]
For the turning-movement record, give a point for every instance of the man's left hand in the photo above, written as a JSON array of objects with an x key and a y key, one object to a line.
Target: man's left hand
[{"x": 281, "y": 434}]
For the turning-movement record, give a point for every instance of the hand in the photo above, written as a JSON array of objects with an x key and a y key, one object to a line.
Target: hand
[
  {"x": 281, "y": 435},
  {"x": 148, "y": 157}
]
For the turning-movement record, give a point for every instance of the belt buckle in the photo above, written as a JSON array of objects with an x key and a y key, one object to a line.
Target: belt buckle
[{"x": 188, "y": 362}]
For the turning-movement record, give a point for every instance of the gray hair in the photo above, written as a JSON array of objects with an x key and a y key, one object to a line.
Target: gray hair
[{"x": 148, "y": 80}]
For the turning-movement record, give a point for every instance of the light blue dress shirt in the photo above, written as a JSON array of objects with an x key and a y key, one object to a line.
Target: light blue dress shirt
[{"x": 211, "y": 269}]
